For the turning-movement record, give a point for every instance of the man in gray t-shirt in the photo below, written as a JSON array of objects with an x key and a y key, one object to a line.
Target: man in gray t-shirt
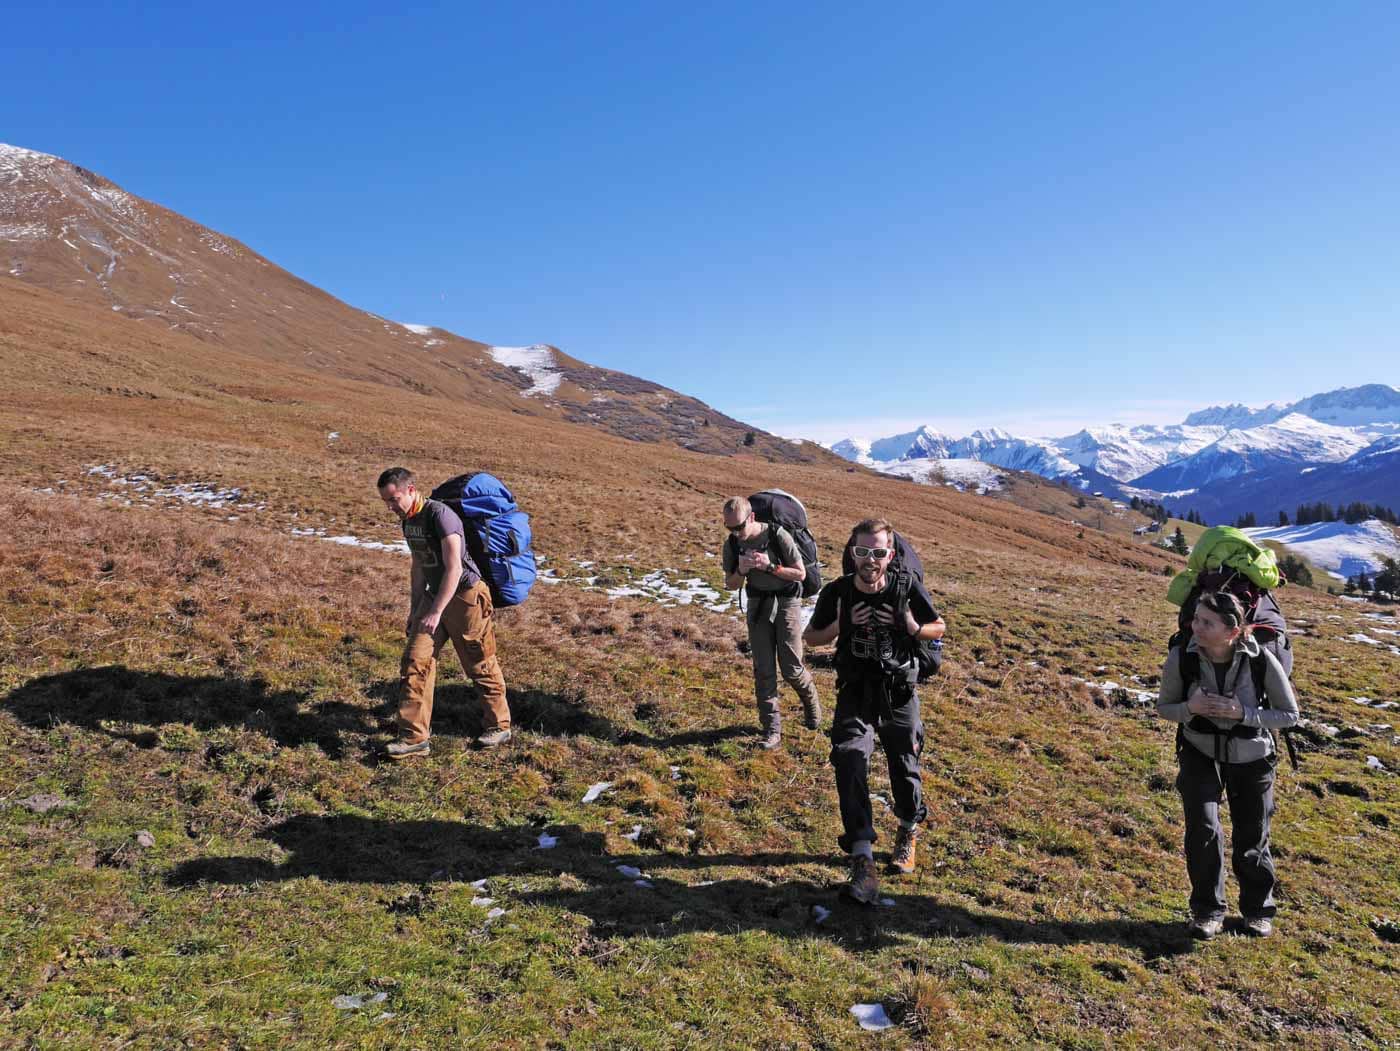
[
  {"x": 447, "y": 600},
  {"x": 763, "y": 559}
]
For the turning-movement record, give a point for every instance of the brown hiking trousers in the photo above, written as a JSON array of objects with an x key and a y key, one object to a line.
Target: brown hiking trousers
[{"x": 468, "y": 622}]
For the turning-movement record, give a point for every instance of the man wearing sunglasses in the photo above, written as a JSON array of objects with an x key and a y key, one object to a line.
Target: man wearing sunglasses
[
  {"x": 763, "y": 559},
  {"x": 876, "y": 618}
]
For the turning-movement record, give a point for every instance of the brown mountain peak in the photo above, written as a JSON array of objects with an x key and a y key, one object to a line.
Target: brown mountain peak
[{"x": 72, "y": 231}]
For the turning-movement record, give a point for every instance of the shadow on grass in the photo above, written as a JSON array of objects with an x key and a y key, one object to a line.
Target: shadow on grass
[
  {"x": 104, "y": 699},
  {"x": 353, "y": 849},
  {"x": 457, "y": 709},
  {"x": 126, "y": 703}
]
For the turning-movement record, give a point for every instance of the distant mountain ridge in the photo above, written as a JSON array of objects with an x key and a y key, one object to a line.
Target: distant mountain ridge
[{"x": 1222, "y": 460}]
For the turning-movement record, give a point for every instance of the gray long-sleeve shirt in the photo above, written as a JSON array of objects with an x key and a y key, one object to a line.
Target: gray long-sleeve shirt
[{"x": 1281, "y": 713}]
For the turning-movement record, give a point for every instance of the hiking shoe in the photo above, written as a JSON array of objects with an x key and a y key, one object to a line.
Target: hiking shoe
[
  {"x": 812, "y": 712},
  {"x": 864, "y": 885},
  {"x": 1258, "y": 926},
  {"x": 902, "y": 857},
  {"x": 771, "y": 739},
  {"x": 492, "y": 738},
  {"x": 1204, "y": 928},
  {"x": 401, "y": 750}
]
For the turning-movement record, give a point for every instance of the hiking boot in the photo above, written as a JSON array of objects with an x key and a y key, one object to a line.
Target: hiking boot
[
  {"x": 1204, "y": 928},
  {"x": 401, "y": 750},
  {"x": 864, "y": 885},
  {"x": 771, "y": 739},
  {"x": 492, "y": 738},
  {"x": 812, "y": 712},
  {"x": 1258, "y": 926},
  {"x": 902, "y": 857}
]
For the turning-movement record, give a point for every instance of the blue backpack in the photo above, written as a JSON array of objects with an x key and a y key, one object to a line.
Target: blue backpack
[{"x": 498, "y": 534}]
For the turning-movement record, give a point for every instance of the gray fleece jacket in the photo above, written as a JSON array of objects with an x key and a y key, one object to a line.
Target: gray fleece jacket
[{"x": 1239, "y": 683}]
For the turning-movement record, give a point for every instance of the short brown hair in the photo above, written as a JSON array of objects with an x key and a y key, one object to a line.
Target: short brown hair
[
  {"x": 738, "y": 505},
  {"x": 873, "y": 526},
  {"x": 398, "y": 477}
]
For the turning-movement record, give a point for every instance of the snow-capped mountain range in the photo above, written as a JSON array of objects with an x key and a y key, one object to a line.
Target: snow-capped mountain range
[{"x": 1215, "y": 460}]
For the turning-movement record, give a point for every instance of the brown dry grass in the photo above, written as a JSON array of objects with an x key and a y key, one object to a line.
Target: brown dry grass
[{"x": 220, "y": 685}]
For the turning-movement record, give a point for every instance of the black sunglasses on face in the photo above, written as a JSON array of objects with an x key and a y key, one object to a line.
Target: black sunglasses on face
[
  {"x": 870, "y": 552},
  {"x": 738, "y": 528}
]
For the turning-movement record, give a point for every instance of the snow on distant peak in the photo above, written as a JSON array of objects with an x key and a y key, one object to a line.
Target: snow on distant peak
[
  {"x": 1298, "y": 437},
  {"x": 1233, "y": 416},
  {"x": 421, "y": 330},
  {"x": 537, "y": 363},
  {"x": 1365, "y": 407},
  {"x": 1341, "y": 549},
  {"x": 959, "y": 474},
  {"x": 857, "y": 450}
]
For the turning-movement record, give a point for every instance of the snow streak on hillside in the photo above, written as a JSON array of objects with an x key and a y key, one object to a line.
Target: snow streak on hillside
[
  {"x": 1341, "y": 549},
  {"x": 537, "y": 363}
]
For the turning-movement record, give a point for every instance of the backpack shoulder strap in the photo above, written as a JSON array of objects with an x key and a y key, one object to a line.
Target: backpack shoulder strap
[
  {"x": 1189, "y": 663},
  {"x": 1259, "y": 671},
  {"x": 773, "y": 542},
  {"x": 903, "y": 588}
]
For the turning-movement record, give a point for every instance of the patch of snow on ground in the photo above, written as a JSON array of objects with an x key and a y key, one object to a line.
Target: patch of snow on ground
[
  {"x": 1343, "y": 550},
  {"x": 373, "y": 545},
  {"x": 22, "y": 231},
  {"x": 148, "y": 491},
  {"x": 595, "y": 790},
  {"x": 421, "y": 330},
  {"x": 872, "y": 1017},
  {"x": 537, "y": 363},
  {"x": 1140, "y": 697},
  {"x": 351, "y": 541},
  {"x": 691, "y": 590}
]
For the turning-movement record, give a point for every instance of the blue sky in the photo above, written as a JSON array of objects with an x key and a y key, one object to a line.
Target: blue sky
[{"x": 821, "y": 218}]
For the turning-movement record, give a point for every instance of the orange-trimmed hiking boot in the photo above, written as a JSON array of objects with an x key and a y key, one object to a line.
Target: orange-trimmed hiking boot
[{"x": 902, "y": 857}]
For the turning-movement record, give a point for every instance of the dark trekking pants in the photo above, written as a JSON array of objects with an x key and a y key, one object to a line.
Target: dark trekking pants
[
  {"x": 864, "y": 711},
  {"x": 1249, "y": 790}
]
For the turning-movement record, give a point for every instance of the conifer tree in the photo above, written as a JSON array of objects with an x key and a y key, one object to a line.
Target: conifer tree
[
  {"x": 1179, "y": 544},
  {"x": 1387, "y": 581}
]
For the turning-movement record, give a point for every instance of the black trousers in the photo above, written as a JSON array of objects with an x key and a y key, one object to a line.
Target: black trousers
[
  {"x": 1249, "y": 790},
  {"x": 863, "y": 712}
]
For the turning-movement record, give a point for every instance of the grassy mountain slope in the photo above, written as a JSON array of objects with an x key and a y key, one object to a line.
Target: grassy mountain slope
[{"x": 219, "y": 684}]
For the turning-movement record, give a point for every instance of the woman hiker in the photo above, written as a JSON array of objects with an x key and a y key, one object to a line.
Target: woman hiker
[{"x": 1228, "y": 694}]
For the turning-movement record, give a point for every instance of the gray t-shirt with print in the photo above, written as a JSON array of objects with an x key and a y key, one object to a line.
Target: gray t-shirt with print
[{"x": 424, "y": 533}]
